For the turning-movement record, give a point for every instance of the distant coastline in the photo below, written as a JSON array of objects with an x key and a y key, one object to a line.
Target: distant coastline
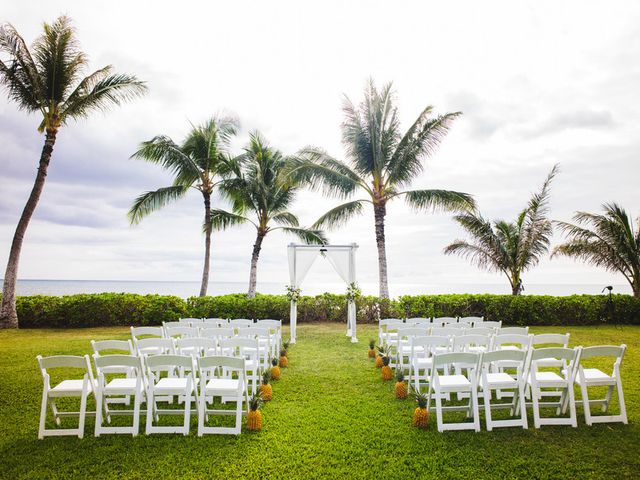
[{"x": 187, "y": 289}]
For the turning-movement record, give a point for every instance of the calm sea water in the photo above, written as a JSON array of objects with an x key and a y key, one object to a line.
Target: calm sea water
[{"x": 188, "y": 289}]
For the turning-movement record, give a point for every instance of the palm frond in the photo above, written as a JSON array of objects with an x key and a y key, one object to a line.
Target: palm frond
[
  {"x": 166, "y": 153},
  {"x": 286, "y": 218},
  {"x": 308, "y": 235},
  {"x": 149, "y": 202},
  {"x": 340, "y": 215},
  {"x": 221, "y": 220},
  {"x": 439, "y": 200},
  {"x": 316, "y": 169}
]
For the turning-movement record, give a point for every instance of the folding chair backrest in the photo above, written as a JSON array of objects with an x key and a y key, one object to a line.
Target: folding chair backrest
[
  {"x": 603, "y": 351},
  {"x": 460, "y": 359},
  {"x": 221, "y": 361},
  {"x": 522, "y": 341},
  {"x": 187, "y": 320},
  {"x": 156, "y": 362},
  {"x": 242, "y": 347},
  {"x": 173, "y": 324},
  {"x": 246, "y": 332},
  {"x": 514, "y": 330},
  {"x": 139, "y": 332},
  {"x": 154, "y": 346},
  {"x": 197, "y": 323},
  {"x": 431, "y": 343},
  {"x": 64, "y": 361},
  {"x": 418, "y": 321},
  {"x": 240, "y": 322},
  {"x": 182, "y": 331},
  {"x": 446, "y": 331},
  {"x": 479, "y": 331},
  {"x": 560, "y": 353},
  {"x": 215, "y": 322},
  {"x": 195, "y": 347},
  {"x": 122, "y": 346},
  {"x": 462, "y": 342},
  {"x": 492, "y": 323},
  {"x": 473, "y": 320},
  {"x": 458, "y": 326},
  {"x": 502, "y": 355},
  {"x": 269, "y": 323},
  {"x": 385, "y": 322},
  {"x": 445, "y": 320},
  {"x": 108, "y": 362},
  {"x": 551, "y": 339},
  {"x": 413, "y": 331},
  {"x": 217, "y": 332}
]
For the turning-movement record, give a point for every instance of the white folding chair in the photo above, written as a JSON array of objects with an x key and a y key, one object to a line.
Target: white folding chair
[
  {"x": 479, "y": 331},
  {"x": 166, "y": 325},
  {"x": 475, "y": 321},
  {"x": 557, "y": 387},
  {"x": 421, "y": 358},
  {"x": 217, "y": 380},
  {"x": 146, "y": 332},
  {"x": 187, "y": 321},
  {"x": 169, "y": 386},
  {"x": 215, "y": 322},
  {"x": 387, "y": 330},
  {"x": 217, "y": 333},
  {"x": 122, "y": 347},
  {"x": 468, "y": 321},
  {"x": 248, "y": 349},
  {"x": 402, "y": 346},
  {"x": 240, "y": 322},
  {"x": 197, "y": 323},
  {"x": 275, "y": 330},
  {"x": 513, "y": 331},
  {"x": 514, "y": 342},
  {"x": 118, "y": 388},
  {"x": 196, "y": 347},
  {"x": 444, "y": 384},
  {"x": 446, "y": 331},
  {"x": 594, "y": 377},
  {"x": 445, "y": 320},
  {"x": 181, "y": 332},
  {"x": 501, "y": 381},
  {"x": 472, "y": 343},
  {"x": 154, "y": 346},
  {"x": 415, "y": 321},
  {"x": 66, "y": 388}
]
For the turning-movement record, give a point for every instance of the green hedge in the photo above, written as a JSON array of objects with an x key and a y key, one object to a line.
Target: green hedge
[{"x": 108, "y": 309}]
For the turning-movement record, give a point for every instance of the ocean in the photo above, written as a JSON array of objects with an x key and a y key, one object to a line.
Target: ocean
[{"x": 188, "y": 289}]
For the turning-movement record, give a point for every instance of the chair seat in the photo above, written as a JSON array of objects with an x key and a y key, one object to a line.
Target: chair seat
[
  {"x": 69, "y": 387},
  {"x": 509, "y": 347},
  {"x": 548, "y": 378},
  {"x": 406, "y": 350},
  {"x": 453, "y": 381},
  {"x": 594, "y": 375},
  {"x": 171, "y": 384},
  {"x": 120, "y": 384},
  {"x": 222, "y": 385},
  {"x": 501, "y": 379},
  {"x": 422, "y": 362},
  {"x": 477, "y": 349}
]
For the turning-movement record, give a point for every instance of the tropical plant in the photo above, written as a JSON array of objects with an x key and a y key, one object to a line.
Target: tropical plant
[
  {"x": 386, "y": 372},
  {"x": 284, "y": 361},
  {"x": 254, "y": 417},
  {"x": 263, "y": 188},
  {"x": 48, "y": 79},
  {"x": 382, "y": 164},
  {"x": 608, "y": 240},
  {"x": 266, "y": 390},
  {"x": 508, "y": 247},
  {"x": 421, "y": 413},
  {"x": 379, "y": 363},
  {"x": 372, "y": 349},
  {"x": 285, "y": 349},
  {"x": 401, "y": 385},
  {"x": 200, "y": 163},
  {"x": 275, "y": 369}
]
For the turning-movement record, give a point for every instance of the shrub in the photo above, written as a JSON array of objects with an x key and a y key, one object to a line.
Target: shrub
[{"x": 108, "y": 309}]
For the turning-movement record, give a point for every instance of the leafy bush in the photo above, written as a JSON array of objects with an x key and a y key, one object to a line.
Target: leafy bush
[{"x": 108, "y": 309}]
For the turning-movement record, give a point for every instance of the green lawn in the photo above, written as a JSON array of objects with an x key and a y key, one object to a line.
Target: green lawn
[{"x": 331, "y": 417}]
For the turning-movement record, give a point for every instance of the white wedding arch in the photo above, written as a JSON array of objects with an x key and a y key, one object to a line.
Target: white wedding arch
[{"x": 343, "y": 260}]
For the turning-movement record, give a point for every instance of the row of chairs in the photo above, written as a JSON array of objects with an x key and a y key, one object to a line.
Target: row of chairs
[
  {"x": 388, "y": 326},
  {"x": 133, "y": 379},
  {"x": 473, "y": 375}
]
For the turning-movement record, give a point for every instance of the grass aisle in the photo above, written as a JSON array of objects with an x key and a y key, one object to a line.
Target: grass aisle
[{"x": 331, "y": 417}]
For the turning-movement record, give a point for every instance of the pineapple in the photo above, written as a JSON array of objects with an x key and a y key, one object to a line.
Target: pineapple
[
  {"x": 387, "y": 373},
  {"x": 285, "y": 349},
  {"x": 266, "y": 390},
  {"x": 379, "y": 357},
  {"x": 275, "y": 369},
  {"x": 254, "y": 417},
  {"x": 401, "y": 386},
  {"x": 421, "y": 413},
  {"x": 372, "y": 349},
  {"x": 284, "y": 361}
]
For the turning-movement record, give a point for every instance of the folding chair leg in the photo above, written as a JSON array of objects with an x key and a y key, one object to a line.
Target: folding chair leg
[
  {"x": 572, "y": 407},
  {"x": 83, "y": 411},
  {"x": 439, "y": 412},
  {"x": 99, "y": 406},
  {"x": 607, "y": 399},
  {"x": 475, "y": 410},
  {"x": 536, "y": 407},
  {"x": 487, "y": 408},
  {"x": 585, "y": 404},
  {"x": 238, "y": 414},
  {"x": 150, "y": 411},
  {"x": 43, "y": 414},
  {"x": 187, "y": 414}
]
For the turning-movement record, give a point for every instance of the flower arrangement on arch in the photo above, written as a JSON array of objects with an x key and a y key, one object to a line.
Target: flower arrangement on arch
[
  {"x": 353, "y": 292},
  {"x": 293, "y": 293}
]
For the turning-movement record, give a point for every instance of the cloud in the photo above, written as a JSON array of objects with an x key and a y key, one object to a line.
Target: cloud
[{"x": 578, "y": 119}]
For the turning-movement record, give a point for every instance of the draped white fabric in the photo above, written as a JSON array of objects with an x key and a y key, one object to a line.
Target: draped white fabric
[{"x": 342, "y": 259}]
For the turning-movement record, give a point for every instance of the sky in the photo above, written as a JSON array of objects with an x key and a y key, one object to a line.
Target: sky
[{"x": 538, "y": 83}]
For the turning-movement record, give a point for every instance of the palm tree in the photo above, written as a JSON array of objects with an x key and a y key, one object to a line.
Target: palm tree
[
  {"x": 382, "y": 163},
  {"x": 199, "y": 163},
  {"x": 508, "y": 247},
  {"x": 607, "y": 241},
  {"x": 48, "y": 79},
  {"x": 265, "y": 189}
]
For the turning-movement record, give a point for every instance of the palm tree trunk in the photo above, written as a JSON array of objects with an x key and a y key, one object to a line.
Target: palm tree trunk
[
  {"x": 379, "y": 211},
  {"x": 8, "y": 314},
  {"x": 253, "y": 274},
  {"x": 207, "y": 244}
]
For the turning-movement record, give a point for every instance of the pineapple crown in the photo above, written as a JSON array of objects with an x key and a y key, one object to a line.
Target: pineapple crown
[
  {"x": 399, "y": 376},
  {"x": 274, "y": 362},
  {"x": 283, "y": 352},
  {"x": 386, "y": 359},
  {"x": 421, "y": 398},
  {"x": 266, "y": 377},
  {"x": 285, "y": 346},
  {"x": 255, "y": 401},
  {"x": 372, "y": 344},
  {"x": 381, "y": 349}
]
